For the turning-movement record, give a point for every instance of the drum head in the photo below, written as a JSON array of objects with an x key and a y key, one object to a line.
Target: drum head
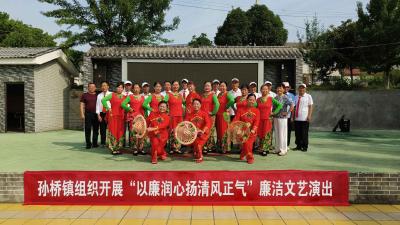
[
  {"x": 139, "y": 125},
  {"x": 238, "y": 132},
  {"x": 185, "y": 133}
]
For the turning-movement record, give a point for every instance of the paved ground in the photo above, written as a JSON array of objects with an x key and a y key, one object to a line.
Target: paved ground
[
  {"x": 207, "y": 215},
  {"x": 358, "y": 151}
]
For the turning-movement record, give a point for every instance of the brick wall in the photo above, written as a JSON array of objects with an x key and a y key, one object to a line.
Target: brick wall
[
  {"x": 11, "y": 187},
  {"x": 375, "y": 188},
  {"x": 20, "y": 74},
  {"x": 74, "y": 119},
  {"x": 51, "y": 97},
  {"x": 371, "y": 188}
]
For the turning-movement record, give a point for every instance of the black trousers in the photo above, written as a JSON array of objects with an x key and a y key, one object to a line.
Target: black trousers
[
  {"x": 103, "y": 128},
  {"x": 301, "y": 132},
  {"x": 91, "y": 124},
  {"x": 289, "y": 130}
]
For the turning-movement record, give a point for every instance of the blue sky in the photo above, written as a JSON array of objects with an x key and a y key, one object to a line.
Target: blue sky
[{"x": 205, "y": 16}]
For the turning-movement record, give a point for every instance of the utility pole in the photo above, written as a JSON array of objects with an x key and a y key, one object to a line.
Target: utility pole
[{"x": 256, "y": 2}]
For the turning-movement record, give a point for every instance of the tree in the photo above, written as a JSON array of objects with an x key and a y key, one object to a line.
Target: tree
[
  {"x": 112, "y": 22},
  {"x": 235, "y": 29},
  {"x": 266, "y": 28},
  {"x": 345, "y": 40},
  {"x": 201, "y": 40},
  {"x": 14, "y": 33},
  {"x": 379, "y": 28},
  {"x": 316, "y": 47}
]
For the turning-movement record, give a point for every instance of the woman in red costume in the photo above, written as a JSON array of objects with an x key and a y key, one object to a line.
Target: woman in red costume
[
  {"x": 241, "y": 101},
  {"x": 133, "y": 104},
  {"x": 116, "y": 122},
  {"x": 222, "y": 119},
  {"x": 157, "y": 129},
  {"x": 251, "y": 116},
  {"x": 202, "y": 121},
  {"x": 192, "y": 95},
  {"x": 265, "y": 104},
  {"x": 176, "y": 109},
  {"x": 150, "y": 104},
  {"x": 210, "y": 105}
]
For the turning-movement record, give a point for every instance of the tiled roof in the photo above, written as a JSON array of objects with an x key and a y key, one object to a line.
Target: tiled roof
[
  {"x": 185, "y": 52},
  {"x": 7, "y": 53}
]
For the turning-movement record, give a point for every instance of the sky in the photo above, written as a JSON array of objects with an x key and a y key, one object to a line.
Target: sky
[{"x": 204, "y": 16}]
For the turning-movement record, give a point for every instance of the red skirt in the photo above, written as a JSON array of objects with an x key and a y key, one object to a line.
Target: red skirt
[
  {"x": 116, "y": 126},
  {"x": 221, "y": 125},
  {"x": 264, "y": 127}
]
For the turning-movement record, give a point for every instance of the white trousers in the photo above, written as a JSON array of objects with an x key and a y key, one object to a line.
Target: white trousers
[{"x": 280, "y": 133}]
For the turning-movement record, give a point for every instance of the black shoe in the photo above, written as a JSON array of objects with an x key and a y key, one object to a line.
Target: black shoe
[
  {"x": 95, "y": 146},
  {"x": 88, "y": 146},
  {"x": 296, "y": 149},
  {"x": 143, "y": 152},
  {"x": 135, "y": 153},
  {"x": 205, "y": 152},
  {"x": 304, "y": 149},
  {"x": 264, "y": 153},
  {"x": 171, "y": 152}
]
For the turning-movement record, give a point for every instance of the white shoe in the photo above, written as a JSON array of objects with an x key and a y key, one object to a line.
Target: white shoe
[
  {"x": 275, "y": 151},
  {"x": 282, "y": 154}
]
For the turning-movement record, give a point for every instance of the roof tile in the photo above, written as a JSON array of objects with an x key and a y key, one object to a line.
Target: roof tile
[{"x": 185, "y": 52}]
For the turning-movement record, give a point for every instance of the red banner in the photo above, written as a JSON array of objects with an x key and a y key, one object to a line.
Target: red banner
[{"x": 283, "y": 187}]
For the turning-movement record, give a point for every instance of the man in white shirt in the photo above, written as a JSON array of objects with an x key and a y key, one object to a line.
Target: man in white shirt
[
  {"x": 269, "y": 85},
  {"x": 235, "y": 92},
  {"x": 167, "y": 88},
  {"x": 185, "y": 91},
  {"x": 302, "y": 117},
  {"x": 101, "y": 113},
  {"x": 253, "y": 89},
  {"x": 146, "y": 90},
  {"x": 215, "y": 86},
  {"x": 128, "y": 88}
]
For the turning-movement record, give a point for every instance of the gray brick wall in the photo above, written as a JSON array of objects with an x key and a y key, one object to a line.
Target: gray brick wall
[
  {"x": 51, "y": 97},
  {"x": 114, "y": 72},
  {"x": 375, "y": 188},
  {"x": 11, "y": 187},
  {"x": 87, "y": 70},
  {"x": 299, "y": 71},
  {"x": 75, "y": 122},
  {"x": 21, "y": 74},
  {"x": 271, "y": 72}
]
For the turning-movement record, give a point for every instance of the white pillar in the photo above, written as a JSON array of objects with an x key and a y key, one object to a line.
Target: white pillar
[
  {"x": 124, "y": 69},
  {"x": 260, "y": 73}
]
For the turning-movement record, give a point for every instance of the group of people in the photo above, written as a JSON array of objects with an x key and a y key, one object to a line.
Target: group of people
[{"x": 264, "y": 112}]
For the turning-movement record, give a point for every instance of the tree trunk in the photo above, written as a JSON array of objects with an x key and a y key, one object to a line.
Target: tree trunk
[{"x": 386, "y": 78}]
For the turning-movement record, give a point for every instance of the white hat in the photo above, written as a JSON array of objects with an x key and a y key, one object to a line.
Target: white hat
[
  {"x": 303, "y": 85},
  {"x": 268, "y": 82},
  {"x": 215, "y": 81},
  {"x": 145, "y": 83},
  {"x": 286, "y": 84},
  {"x": 253, "y": 83},
  {"x": 127, "y": 82},
  {"x": 235, "y": 79},
  {"x": 184, "y": 80}
]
